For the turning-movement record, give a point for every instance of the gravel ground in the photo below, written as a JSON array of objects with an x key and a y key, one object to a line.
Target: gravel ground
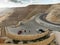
[{"x": 31, "y": 26}]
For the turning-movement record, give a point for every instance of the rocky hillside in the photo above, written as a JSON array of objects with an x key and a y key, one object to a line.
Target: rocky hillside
[{"x": 24, "y": 13}]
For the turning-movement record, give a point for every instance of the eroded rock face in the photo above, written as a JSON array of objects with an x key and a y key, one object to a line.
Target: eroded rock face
[
  {"x": 52, "y": 7},
  {"x": 54, "y": 16}
]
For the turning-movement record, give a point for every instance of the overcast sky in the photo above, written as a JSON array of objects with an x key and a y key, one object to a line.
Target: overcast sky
[
  {"x": 46, "y": 1},
  {"x": 5, "y": 3}
]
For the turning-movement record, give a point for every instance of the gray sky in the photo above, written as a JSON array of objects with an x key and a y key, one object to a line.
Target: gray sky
[{"x": 6, "y": 3}]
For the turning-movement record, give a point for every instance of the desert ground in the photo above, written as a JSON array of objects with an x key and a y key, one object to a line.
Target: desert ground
[{"x": 23, "y": 14}]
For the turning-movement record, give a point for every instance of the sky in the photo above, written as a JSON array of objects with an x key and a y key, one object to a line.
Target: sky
[
  {"x": 45, "y": 1},
  {"x": 9, "y": 4}
]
